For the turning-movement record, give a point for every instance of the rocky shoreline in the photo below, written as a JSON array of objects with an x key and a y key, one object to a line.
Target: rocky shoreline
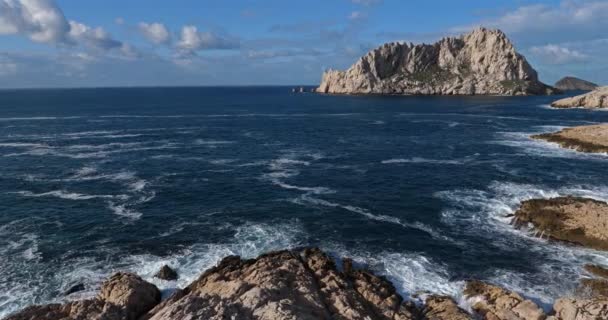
[
  {"x": 304, "y": 283},
  {"x": 591, "y": 138},
  {"x": 596, "y": 99}
]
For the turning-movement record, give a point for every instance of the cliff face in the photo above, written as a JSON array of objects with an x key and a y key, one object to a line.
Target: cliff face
[
  {"x": 483, "y": 62},
  {"x": 572, "y": 83}
]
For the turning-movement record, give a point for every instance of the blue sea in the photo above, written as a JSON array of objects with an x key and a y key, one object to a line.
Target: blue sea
[{"x": 418, "y": 189}]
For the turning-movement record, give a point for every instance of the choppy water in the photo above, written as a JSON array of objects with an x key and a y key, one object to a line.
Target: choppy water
[{"x": 99, "y": 180}]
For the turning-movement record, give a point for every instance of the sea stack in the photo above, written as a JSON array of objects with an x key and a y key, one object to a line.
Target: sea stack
[
  {"x": 482, "y": 62},
  {"x": 596, "y": 99},
  {"x": 574, "y": 84}
]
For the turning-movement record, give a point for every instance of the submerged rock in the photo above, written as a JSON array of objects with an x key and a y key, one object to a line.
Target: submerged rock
[
  {"x": 75, "y": 288},
  {"x": 496, "y": 303},
  {"x": 166, "y": 273},
  {"x": 596, "y": 99},
  {"x": 573, "y": 83},
  {"x": 592, "y": 138},
  {"x": 483, "y": 62},
  {"x": 577, "y": 220}
]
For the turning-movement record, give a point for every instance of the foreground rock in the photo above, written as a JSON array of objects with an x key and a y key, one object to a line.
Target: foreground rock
[
  {"x": 573, "y": 83},
  {"x": 592, "y": 138},
  {"x": 493, "y": 302},
  {"x": 596, "y": 99},
  {"x": 483, "y": 62},
  {"x": 299, "y": 284},
  {"x": 577, "y": 220},
  {"x": 123, "y": 296}
]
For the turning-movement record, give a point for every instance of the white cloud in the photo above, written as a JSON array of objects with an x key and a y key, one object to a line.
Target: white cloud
[
  {"x": 7, "y": 67},
  {"x": 555, "y": 54},
  {"x": 43, "y": 21},
  {"x": 366, "y": 2},
  {"x": 40, "y": 20},
  {"x": 155, "y": 32},
  {"x": 192, "y": 40}
]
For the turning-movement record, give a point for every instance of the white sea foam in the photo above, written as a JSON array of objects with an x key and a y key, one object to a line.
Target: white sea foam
[
  {"x": 122, "y": 210},
  {"x": 22, "y": 145},
  {"x": 459, "y": 161},
  {"x": 487, "y": 213},
  {"x": 70, "y": 195},
  {"x": 208, "y": 142},
  {"x": 37, "y": 118}
]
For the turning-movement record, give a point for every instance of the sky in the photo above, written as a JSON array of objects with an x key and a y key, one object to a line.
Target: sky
[{"x": 101, "y": 43}]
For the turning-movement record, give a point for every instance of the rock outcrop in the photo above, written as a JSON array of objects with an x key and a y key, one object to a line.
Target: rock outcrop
[
  {"x": 573, "y": 83},
  {"x": 576, "y": 220},
  {"x": 166, "y": 273},
  {"x": 124, "y": 296},
  {"x": 483, "y": 62},
  {"x": 496, "y": 303},
  {"x": 300, "y": 284},
  {"x": 591, "y": 138},
  {"x": 596, "y": 99}
]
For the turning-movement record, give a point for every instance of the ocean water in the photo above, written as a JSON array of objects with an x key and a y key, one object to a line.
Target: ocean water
[{"x": 416, "y": 188}]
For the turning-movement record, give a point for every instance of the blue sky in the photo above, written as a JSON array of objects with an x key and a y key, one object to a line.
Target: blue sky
[{"x": 70, "y": 43}]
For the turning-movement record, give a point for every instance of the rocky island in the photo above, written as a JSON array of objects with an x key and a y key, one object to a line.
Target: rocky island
[
  {"x": 302, "y": 284},
  {"x": 573, "y": 83},
  {"x": 596, "y": 99},
  {"x": 482, "y": 62}
]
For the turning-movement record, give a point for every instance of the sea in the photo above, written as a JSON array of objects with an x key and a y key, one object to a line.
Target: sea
[{"x": 418, "y": 189}]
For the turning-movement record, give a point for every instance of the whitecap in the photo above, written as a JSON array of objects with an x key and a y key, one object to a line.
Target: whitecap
[
  {"x": 459, "y": 161},
  {"x": 62, "y": 194}
]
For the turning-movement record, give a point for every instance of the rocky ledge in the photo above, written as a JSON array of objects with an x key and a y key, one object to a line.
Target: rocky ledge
[
  {"x": 301, "y": 284},
  {"x": 592, "y": 138},
  {"x": 596, "y": 99},
  {"x": 576, "y": 220},
  {"x": 483, "y": 62}
]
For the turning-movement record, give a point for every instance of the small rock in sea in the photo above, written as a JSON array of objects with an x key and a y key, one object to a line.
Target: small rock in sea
[
  {"x": 294, "y": 90},
  {"x": 166, "y": 273},
  {"x": 75, "y": 288}
]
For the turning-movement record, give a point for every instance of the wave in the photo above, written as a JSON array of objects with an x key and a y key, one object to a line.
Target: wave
[
  {"x": 22, "y": 145},
  {"x": 459, "y": 161},
  {"x": 62, "y": 194},
  {"x": 38, "y": 118},
  {"x": 486, "y": 213}
]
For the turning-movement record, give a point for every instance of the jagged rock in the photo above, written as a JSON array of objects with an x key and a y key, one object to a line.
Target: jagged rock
[
  {"x": 592, "y": 138},
  {"x": 73, "y": 289},
  {"x": 123, "y": 296},
  {"x": 481, "y": 62},
  {"x": 596, "y": 99},
  {"x": 298, "y": 284},
  {"x": 597, "y": 270},
  {"x": 576, "y": 220},
  {"x": 130, "y": 292},
  {"x": 593, "y": 288},
  {"x": 166, "y": 273},
  {"x": 444, "y": 308},
  {"x": 581, "y": 309},
  {"x": 573, "y": 83},
  {"x": 495, "y": 303}
]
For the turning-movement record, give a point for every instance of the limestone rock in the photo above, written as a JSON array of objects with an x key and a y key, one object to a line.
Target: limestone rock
[
  {"x": 483, "y": 62},
  {"x": 581, "y": 309},
  {"x": 130, "y": 292},
  {"x": 573, "y": 83},
  {"x": 591, "y": 138},
  {"x": 124, "y": 296},
  {"x": 166, "y": 273},
  {"x": 444, "y": 308},
  {"x": 290, "y": 284},
  {"x": 597, "y": 270},
  {"x": 576, "y": 220},
  {"x": 596, "y": 99},
  {"x": 495, "y": 303}
]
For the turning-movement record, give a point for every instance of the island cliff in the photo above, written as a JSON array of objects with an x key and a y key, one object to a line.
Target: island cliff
[
  {"x": 573, "y": 83},
  {"x": 483, "y": 62}
]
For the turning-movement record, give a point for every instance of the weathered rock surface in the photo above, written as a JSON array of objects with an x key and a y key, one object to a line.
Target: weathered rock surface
[
  {"x": 581, "y": 309},
  {"x": 123, "y": 296},
  {"x": 573, "y": 83},
  {"x": 577, "y": 220},
  {"x": 483, "y": 62},
  {"x": 596, "y": 99},
  {"x": 166, "y": 273},
  {"x": 495, "y": 303},
  {"x": 592, "y": 138},
  {"x": 299, "y": 284}
]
